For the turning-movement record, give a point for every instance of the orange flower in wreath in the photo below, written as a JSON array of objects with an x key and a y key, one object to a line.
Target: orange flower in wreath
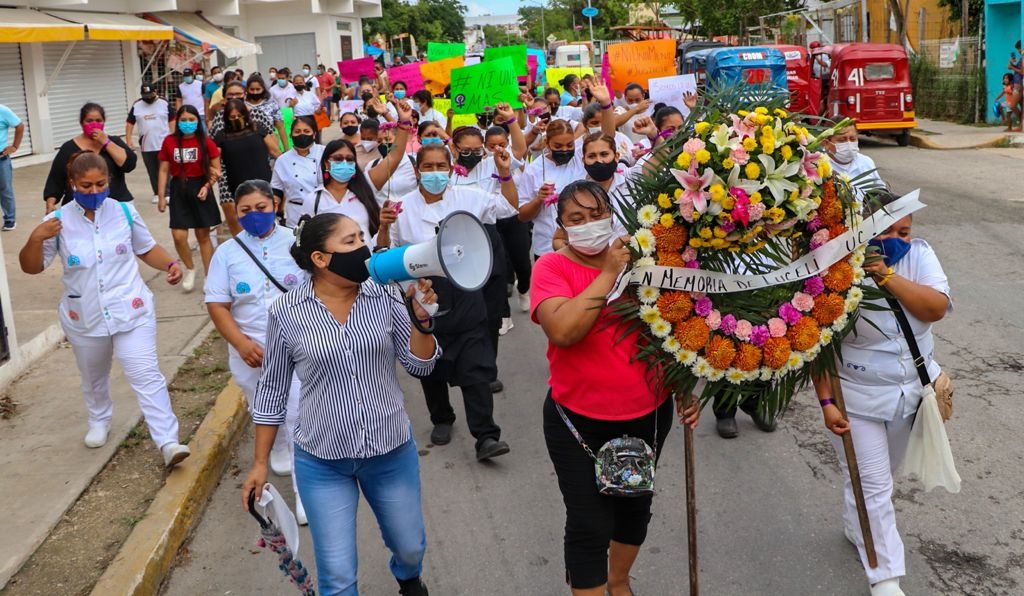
[
  {"x": 836, "y": 230},
  {"x": 748, "y": 358},
  {"x": 670, "y": 258},
  {"x": 692, "y": 334},
  {"x": 720, "y": 352},
  {"x": 839, "y": 277},
  {"x": 776, "y": 352},
  {"x": 804, "y": 335},
  {"x": 671, "y": 239},
  {"x": 831, "y": 209},
  {"x": 828, "y": 307},
  {"x": 675, "y": 307}
]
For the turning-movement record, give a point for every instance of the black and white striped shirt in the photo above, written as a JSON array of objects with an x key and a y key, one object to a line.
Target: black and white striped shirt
[{"x": 350, "y": 404}]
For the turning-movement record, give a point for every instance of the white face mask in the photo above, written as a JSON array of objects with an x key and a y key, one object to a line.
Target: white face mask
[
  {"x": 593, "y": 129},
  {"x": 368, "y": 146},
  {"x": 591, "y": 238},
  {"x": 846, "y": 152}
]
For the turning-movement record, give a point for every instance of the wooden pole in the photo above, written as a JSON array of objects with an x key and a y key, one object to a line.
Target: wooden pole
[
  {"x": 691, "y": 504},
  {"x": 851, "y": 465}
]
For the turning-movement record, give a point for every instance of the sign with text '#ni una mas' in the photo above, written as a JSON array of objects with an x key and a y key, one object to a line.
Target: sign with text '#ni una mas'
[{"x": 483, "y": 85}]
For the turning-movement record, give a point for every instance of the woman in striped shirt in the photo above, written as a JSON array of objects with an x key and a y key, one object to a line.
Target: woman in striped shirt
[{"x": 341, "y": 333}]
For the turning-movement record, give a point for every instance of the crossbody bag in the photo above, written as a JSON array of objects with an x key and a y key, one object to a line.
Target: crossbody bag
[
  {"x": 942, "y": 385},
  {"x": 265, "y": 271}
]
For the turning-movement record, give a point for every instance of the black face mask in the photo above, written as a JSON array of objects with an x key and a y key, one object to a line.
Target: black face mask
[
  {"x": 149, "y": 99},
  {"x": 235, "y": 125},
  {"x": 349, "y": 131},
  {"x": 351, "y": 265},
  {"x": 303, "y": 141},
  {"x": 253, "y": 98},
  {"x": 384, "y": 148},
  {"x": 563, "y": 157},
  {"x": 600, "y": 171},
  {"x": 469, "y": 161},
  {"x": 366, "y": 95}
]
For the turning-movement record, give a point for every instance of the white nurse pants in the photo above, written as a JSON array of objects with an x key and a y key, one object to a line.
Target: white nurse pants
[
  {"x": 247, "y": 378},
  {"x": 135, "y": 350},
  {"x": 880, "y": 448}
]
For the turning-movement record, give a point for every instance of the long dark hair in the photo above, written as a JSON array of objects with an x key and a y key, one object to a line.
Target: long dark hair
[
  {"x": 311, "y": 236},
  {"x": 256, "y": 78},
  {"x": 239, "y": 106},
  {"x": 200, "y": 137},
  {"x": 91, "y": 107},
  {"x": 358, "y": 184}
]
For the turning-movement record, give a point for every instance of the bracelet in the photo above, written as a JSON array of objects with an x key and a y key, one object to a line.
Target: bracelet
[
  {"x": 608, "y": 107},
  {"x": 826, "y": 402},
  {"x": 104, "y": 145},
  {"x": 502, "y": 178},
  {"x": 173, "y": 263},
  {"x": 885, "y": 278},
  {"x": 405, "y": 122}
]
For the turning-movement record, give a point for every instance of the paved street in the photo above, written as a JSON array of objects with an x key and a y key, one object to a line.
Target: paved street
[{"x": 770, "y": 504}]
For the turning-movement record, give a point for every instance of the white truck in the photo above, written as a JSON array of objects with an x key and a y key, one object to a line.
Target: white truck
[{"x": 576, "y": 54}]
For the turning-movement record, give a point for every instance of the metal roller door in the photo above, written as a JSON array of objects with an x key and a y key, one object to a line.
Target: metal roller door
[
  {"x": 12, "y": 92},
  {"x": 287, "y": 50},
  {"x": 93, "y": 72}
]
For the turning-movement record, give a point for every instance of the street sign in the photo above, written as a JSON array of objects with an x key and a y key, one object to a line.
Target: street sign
[
  {"x": 551, "y": 38},
  {"x": 590, "y": 12}
]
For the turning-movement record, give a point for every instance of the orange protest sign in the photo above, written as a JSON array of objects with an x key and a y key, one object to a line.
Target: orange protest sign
[
  {"x": 438, "y": 75},
  {"x": 638, "y": 61}
]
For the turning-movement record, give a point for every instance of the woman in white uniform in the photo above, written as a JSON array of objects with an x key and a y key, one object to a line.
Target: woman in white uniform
[
  {"x": 562, "y": 164},
  {"x": 247, "y": 275},
  {"x": 107, "y": 311},
  {"x": 297, "y": 172},
  {"x": 882, "y": 390}
]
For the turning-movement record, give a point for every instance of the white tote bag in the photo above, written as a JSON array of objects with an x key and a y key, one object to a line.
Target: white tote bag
[{"x": 929, "y": 458}]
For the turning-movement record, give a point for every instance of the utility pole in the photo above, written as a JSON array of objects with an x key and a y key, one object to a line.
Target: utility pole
[{"x": 591, "y": 19}]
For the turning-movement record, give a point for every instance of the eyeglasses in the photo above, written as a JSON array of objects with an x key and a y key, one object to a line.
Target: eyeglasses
[
  {"x": 340, "y": 159},
  {"x": 468, "y": 153}
]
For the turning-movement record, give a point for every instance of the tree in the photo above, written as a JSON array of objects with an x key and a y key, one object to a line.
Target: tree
[
  {"x": 499, "y": 36},
  {"x": 899, "y": 16},
  {"x": 715, "y": 18},
  {"x": 975, "y": 10},
  {"x": 428, "y": 20}
]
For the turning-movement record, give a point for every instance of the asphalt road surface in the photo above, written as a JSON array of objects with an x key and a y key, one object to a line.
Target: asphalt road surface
[{"x": 769, "y": 504}]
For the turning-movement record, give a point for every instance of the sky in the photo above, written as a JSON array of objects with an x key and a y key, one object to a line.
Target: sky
[{"x": 475, "y": 8}]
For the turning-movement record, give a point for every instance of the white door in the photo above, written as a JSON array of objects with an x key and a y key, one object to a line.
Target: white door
[
  {"x": 287, "y": 50},
  {"x": 12, "y": 92},
  {"x": 93, "y": 72}
]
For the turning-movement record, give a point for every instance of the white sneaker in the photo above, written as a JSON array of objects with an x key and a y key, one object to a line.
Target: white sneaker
[
  {"x": 213, "y": 237},
  {"x": 188, "y": 281},
  {"x": 155, "y": 200},
  {"x": 300, "y": 512},
  {"x": 97, "y": 436},
  {"x": 506, "y": 326},
  {"x": 887, "y": 587},
  {"x": 280, "y": 462},
  {"x": 174, "y": 454},
  {"x": 524, "y": 302}
]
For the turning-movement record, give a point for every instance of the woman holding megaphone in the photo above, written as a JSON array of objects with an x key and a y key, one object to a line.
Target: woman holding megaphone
[
  {"x": 469, "y": 360},
  {"x": 341, "y": 333}
]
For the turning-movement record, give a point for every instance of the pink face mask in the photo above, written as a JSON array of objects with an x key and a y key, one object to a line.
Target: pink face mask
[{"x": 89, "y": 127}]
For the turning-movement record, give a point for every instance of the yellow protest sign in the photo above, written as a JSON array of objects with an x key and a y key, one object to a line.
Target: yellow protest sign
[
  {"x": 639, "y": 61},
  {"x": 557, "y": 74},
  {"x": 438, "y": 75}
]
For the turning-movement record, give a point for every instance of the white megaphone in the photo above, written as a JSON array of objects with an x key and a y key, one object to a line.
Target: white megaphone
[{"x": 461, "y": 252}]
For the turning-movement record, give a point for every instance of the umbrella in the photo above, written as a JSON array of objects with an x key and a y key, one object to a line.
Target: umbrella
[{"x": 284, "y": 543}]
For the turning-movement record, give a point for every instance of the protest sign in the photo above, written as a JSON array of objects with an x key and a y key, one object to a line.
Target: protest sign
[
  {"x": 485, "y": 84},
  {"x": 516, "y": 53},
  {"x": 438, "y": 75},
  {"x": 287, "y": 117},
  {"x": 457, "y": 120},
  {"x": 439, "y": 51},
  {"x": 409, "y": 74},
  {"x": 471, "y": 60},
  {"x": 349, "y": 105},
  {"x": 640, "y": 61},
  {"x": 351, "y": 70},
  {"x": 542, "y": 61},
  {"x": 557, "y": 74},
  {"x": 531, "y": 66},
  {"x": 670, "y": 90},
  {"x": 606, "y": 71}
]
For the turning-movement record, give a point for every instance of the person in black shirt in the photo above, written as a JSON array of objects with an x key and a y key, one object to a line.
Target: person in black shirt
[{"x": 245, "y": 152}]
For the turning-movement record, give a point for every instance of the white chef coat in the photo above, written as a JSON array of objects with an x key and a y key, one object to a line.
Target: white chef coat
[
  {"x": 483, "y": 176},
  {"x": 103, "y": 291},
  {"x": 860, "y": 164},
  {"x": 235, "y": 279},
  {"x": 307, "y": 103},
  {"x": 534, "y": 176},
  {"x": 434, "y": 116},
  {"x": 349, "y": 205},
  {"x": 878, "y": 374},
  {"x": 418, "y": 220},
  {"x": 280, "y": 95},
  {"x": 401, "y": 183},
  {"x": 297, "y": 176}
]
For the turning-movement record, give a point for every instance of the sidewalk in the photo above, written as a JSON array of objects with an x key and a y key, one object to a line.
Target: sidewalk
[
  {"x": 937, "y": 134},
  {"x": 45, "y": 464}
]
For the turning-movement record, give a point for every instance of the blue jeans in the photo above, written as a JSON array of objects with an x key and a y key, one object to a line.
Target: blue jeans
[
  {"x": 330, "y": 495},
  {"x": 7, "y": 190}
]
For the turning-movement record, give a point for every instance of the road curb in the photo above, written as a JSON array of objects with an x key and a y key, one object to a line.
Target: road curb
[
  {"x": 923, "y": 142},
  {"x": 146, "y": 557}
]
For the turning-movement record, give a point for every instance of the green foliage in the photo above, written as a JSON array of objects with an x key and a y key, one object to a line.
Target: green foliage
[
  {"x": 559, "y": 19},
  {"x": 729, "y": 18},
  {"x": 497, "y": 36},
  {"x": 975, "y": 10},
  {"x": 427, "y": 20},
  {"x": 943, "y": 94}
]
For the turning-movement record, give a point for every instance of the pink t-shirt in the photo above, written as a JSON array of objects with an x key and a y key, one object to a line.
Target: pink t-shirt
[{"x": 596, "y": 376}]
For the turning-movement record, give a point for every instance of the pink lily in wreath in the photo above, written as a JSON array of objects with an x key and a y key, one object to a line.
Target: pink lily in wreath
[
  {"x": 809, "y": 162},
  {"x": 694, "y": 197},
  {"x": 740, "y": 211}
]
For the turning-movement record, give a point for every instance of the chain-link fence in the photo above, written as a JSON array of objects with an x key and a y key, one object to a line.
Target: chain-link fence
[{"x": 949, "y": 80}]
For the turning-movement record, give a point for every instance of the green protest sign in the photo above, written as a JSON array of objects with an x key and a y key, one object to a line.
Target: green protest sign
[
  {"x": 439, "y": 51},
  {"x": 516, "y": 53},
  {"x": 483, "y": 85}
]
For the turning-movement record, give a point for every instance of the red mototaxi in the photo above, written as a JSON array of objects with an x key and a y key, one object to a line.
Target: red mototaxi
[
  {"x": 804, "y": 94},
  {"x": 870, "y": 82}
]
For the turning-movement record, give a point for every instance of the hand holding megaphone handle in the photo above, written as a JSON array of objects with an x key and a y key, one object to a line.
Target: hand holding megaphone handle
[{"x": 430, "y": 309}]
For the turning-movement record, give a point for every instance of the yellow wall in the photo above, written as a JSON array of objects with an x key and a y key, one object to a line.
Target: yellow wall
[{"x": 936, "y": 22}]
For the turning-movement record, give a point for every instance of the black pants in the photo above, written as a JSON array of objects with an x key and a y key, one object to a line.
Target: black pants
[
  {"x": 152, "y": 163},
  {"x": 721, "y": 411},
  {"x": 592, "y": 520},
  {"x": 477, "y": 399},
  {"x": 516, "y": 236}
]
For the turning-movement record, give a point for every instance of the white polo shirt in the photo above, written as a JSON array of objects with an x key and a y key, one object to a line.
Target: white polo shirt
[
  {"x": 235, "y": 279},
  {"x": 151, "y": 122},
  {"x": 280, "y": 94},
  {"x": 192, "y": 94},
  {"x": 297, "y": 176},
  {"x": 418, "y": 220},
  {"x": 103, "y": 291},
  {"x": 534, "y": 176},
  {"x": 484, "y": 175}
]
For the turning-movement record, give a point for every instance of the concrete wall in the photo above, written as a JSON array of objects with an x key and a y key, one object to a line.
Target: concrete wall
[{"x": 1004, "y": 25}]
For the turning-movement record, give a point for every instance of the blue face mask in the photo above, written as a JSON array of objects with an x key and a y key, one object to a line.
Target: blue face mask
[
  {"x": 91, "y": 200},
  {"x": 893, "y": 249},
  {"x": 282, "y": 82},
  {"x": 434, "y": 182},
  {"x": 342, "y": 171},
  {"x": 400, "y": 94},
  {"x": 305, "y": 71},
  {"x": 257, "y": 223},
  {"x": 188, "y": 127},
  {"x": 432, "y": 141},
  {"x": 187, "y": 80}
]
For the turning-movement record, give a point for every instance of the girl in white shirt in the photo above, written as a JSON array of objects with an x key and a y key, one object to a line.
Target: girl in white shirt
[
  {"x": 297, "y": 172},
  {"x": 107, "y": 311},
  {"x": 424, "y": 103}
]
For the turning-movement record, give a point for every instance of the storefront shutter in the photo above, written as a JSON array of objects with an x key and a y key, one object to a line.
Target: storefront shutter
[
  {"x": 12, "y": 92},
  {"x": 93, "y": 72}
]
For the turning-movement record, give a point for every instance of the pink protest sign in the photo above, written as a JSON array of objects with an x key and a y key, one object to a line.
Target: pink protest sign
[
  {"x": 351, "y": 70},
  {"x": 409, "y": 74},
  {"x": 531, "y": 65},
  {"x": 606, "y": 71}
]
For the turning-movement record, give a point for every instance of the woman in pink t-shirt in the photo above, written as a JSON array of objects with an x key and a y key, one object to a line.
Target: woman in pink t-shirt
[{"x": 599, "y": 387}]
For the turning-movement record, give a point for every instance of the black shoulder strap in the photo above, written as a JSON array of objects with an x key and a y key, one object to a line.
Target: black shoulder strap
[
  {"x": 908, "y": 334},
  {"x": 316, "y": 203},
  {"x": 279, "y": 285}
]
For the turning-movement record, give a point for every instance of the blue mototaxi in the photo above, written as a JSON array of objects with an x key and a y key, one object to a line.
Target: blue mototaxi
[{"x": 760, "y": 67}]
